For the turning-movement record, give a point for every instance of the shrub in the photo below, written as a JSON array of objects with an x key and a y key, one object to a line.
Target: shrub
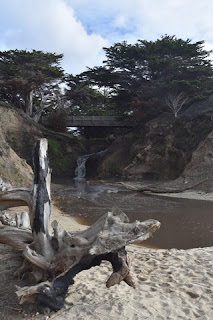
[{"x": 57, "y": 120}]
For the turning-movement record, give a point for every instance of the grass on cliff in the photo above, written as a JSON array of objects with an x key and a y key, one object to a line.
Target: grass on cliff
[
  {"x": 60, "y": 160},
  {"x": 65, "y": 134}
]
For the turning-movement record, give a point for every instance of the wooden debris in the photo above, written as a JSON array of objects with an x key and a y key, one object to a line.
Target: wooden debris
[{"x": 52, "y": 260}]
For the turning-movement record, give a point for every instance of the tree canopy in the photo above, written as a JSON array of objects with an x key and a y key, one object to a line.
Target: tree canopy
[
  {"x": 141, "y": 75},
  {"x": 136, "y": 79},
  {"x": 23, "y": 72},
  {"x": 84, "y": 98}
]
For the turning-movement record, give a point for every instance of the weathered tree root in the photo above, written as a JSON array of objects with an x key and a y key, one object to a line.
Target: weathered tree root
[
  {"x": 52, "y": 295},
  {"x": 52, "y": 260}
]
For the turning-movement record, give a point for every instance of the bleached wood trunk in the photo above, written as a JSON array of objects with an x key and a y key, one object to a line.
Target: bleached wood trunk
[
  {"x": 29, "y": 103},
  {"x": 55, "y": 258},
  {"x": 41, "y": 207}
]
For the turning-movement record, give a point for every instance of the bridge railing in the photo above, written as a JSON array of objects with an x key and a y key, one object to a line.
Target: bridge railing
[{"x": 96, "y": 121}]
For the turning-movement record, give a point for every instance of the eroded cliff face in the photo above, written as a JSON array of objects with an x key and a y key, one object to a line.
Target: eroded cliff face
[
  {"x": 13, "y": 130},
  {"x": 166, "y": 147},
  {"x": 200, "y": 166},
  {"x": 156, "y": 154},
  {"x": 163, "y": 150},
  {"x": 18, "y": 134}
]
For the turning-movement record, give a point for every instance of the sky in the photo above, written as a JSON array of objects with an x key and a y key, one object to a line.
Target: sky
[{"x": 81, "y": 28}]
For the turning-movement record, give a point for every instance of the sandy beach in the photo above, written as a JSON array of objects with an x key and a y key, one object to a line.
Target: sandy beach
[{"x": 170, "y": 284}]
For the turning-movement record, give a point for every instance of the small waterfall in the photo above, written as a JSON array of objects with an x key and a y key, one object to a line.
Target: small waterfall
[{"x": 80, "y": 171}]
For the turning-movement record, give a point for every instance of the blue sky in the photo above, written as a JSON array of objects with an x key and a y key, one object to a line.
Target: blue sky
[{"x": 81, "y": 28}]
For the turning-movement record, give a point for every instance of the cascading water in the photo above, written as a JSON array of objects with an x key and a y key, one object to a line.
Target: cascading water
[{"x": 80, "y": 171}]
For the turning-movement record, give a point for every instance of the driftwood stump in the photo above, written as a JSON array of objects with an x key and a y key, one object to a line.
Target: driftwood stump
[{"x": 52, "y": 260}]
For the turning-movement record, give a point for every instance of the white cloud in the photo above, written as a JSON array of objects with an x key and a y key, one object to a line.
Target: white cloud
[
  {"x": 148, "y": 19},
  {"x": 80, "y": 28},
  {"x": 51, "y": 25},
  {"x": 120, "y": 21},
  {"x": 187, "y": 19}
]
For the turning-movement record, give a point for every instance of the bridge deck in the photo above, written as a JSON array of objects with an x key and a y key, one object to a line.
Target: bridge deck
[{"x": 96, "y": 121}]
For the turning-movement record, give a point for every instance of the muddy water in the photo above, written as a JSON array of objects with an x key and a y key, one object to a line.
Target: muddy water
[{"x": 184, "y": 223}]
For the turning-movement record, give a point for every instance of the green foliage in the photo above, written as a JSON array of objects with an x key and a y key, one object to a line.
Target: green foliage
[
  {"x": 54, "y": 147},
  {"x": 23, "y": 71},
  {"x": 140, "y": 75},
  {"x": 57, "y": 120},
  {"x": 68, "y": 135},
  {"x": 33, "y": 66},
  {"x": 84, "y": 99},
  {"x": 4, "y": 104},
  {"x": 59, "y": 160}
]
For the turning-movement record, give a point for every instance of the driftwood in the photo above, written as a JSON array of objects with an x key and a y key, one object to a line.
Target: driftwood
[
  {"x": 51, "y": 260},
  {"x": 162, "y": 187},
  {"x": 14, "y": 197}
]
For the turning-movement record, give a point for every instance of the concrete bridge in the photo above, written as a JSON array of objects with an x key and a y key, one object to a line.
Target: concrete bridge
[{"x": 96, "y": 121}]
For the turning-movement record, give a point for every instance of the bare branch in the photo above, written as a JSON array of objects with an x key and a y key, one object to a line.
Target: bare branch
[{"x": 175, "y": 102}]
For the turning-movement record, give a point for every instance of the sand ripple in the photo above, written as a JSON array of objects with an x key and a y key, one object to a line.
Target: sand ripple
[{"x": 171, "y": 284}]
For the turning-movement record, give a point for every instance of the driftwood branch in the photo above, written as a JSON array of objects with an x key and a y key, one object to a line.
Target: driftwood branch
[
  {"x": 134, "y": 186},
  {"x": 17, "y": 238},
  {"x": 13, "y": 196},
  {"x": 16, "y": 220},
  {"x": 51, "y": 260}
]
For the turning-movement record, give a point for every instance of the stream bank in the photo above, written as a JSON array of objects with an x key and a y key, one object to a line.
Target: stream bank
[{"x": 185, "y": 223}]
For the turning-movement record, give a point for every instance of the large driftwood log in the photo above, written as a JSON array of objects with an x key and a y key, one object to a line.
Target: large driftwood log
[
  {"x": 52, "y": 260},
  {"x": 162, "y": 187},
  {"x": 41, "y": 201}
]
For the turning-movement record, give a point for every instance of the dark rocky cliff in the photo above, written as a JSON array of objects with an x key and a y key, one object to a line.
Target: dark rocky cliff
[{"x": 164, "y": 149}]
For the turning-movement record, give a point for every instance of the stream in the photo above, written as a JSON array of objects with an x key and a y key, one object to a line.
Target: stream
[{"x": 185, "y": 223}]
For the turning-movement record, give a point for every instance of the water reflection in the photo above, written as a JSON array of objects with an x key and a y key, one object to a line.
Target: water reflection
[{"x": 184, "y": 223}]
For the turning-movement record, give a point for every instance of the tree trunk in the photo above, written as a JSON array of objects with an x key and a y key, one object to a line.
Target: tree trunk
[
  {"x": 37, "y": 115},
  {"x": 29, "y": 103},
  {"x": 53, "y": 259},
  {"x": 39, "y": 111},
  {"x": 41, "y": 200}
]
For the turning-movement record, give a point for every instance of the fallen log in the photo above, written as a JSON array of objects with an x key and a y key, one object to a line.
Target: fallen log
[
  {"x": 52, "y": 259},
  {"x": 162, "y": 187}
]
